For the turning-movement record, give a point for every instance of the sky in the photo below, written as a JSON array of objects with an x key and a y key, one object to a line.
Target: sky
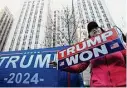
[{"x": 116, "y": 9}]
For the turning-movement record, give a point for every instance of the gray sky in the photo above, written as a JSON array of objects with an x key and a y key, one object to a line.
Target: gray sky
[{"x": 116, "y": 8}]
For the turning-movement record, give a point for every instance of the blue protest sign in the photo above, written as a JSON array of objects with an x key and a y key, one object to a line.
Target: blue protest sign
[{"x": 28, "y": 68}]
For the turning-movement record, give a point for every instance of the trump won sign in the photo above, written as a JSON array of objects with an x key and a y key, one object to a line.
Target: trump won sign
[{"x": 98, "y": 46}]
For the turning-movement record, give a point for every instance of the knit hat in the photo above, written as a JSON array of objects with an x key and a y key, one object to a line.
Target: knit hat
[{"x": 91, "y": 25}]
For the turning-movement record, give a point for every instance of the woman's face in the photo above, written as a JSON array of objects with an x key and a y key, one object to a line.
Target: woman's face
[{"x": 95, "y": 32}]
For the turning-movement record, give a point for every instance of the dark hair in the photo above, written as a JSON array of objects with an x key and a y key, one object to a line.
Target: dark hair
[{"x": 93, "y": 25}]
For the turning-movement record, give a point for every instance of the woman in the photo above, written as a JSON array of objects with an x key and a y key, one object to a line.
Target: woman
[{"x": 106, "y": 71}]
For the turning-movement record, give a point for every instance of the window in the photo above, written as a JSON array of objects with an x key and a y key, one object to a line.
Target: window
[
  {"x": 21, "y": 31},
  {"x": 37, "y": 36},
  {"x": 26, "y": 31},
  {"x": 104, "y": 15},
  {"x": 97, "y": 12},
  {"x": 33, "y": 26},
  {"x": 3, "y": 26},
  {"x": 101, "y": 6},
  {"x": 99, "y": 2},
  {"x": 98, "y": 15},
  {"x": 41, "y": 8},
  {"x": 30, "y": 13},
  {"x": 36, "y": 42},
  {"x": 100, "y": 20},
  {"x": 25, "y": 36},
  {"x": 3, "y": 16},
  {"x": 102, "y": 11},
  {"x": 94, "y": 19},
  {"x": 30, "y": 42},
  {"x": 82, "y": 26},
  {"x": 40, "y": 12},
  {"x": 24, "y": 43},
  {"x": 31, "y": 36},
  {"x": 54, "y": 25},
  {"x": 32, "y": 31},
  {"x": 86, "y": 13},
  {"x": 87, "y": 21},
  {"x": 93, "y": 3},
  {"x": 108, "y": 25},
  {"x": 106, "y": 20},
  {"x": 62, "y": 42},
  {"x": 10, "y": 48},
  {"x": 90, "y": 8},
  {"x": 39, "y": 24},
  {"x": 58, "y": 42},
  {"x": 63, "y": 29},
  {"x": 13, "y": 40},
  {"x": 17, "y": 43},
  {"x": 38, "y": 31},
  {"x": 54, "y": 39},
  {"x": 95, "y": 8},
  {"x": 62, "y": 36}
]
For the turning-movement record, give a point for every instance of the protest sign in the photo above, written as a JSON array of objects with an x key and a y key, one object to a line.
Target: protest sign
[
  {"x": 29, "y": 68},
  {"x": 100, "y": 45}
]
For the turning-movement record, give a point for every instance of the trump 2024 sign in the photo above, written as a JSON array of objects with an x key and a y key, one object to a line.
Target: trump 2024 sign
[
  {"x": 28, "y": 68},
  {"x": 100, "y": 45}
]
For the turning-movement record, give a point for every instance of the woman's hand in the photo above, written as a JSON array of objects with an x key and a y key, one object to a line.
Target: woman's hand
[{"x": 53, "y": 63}]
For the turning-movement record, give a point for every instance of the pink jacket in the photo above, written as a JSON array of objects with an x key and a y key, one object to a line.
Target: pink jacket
[{"x": 106, "y": 71}]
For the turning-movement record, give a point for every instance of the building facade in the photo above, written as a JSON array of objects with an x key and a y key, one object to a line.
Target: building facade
[
  {"x": 6, "y": 21},
  {"x": 48, "y": 42},
  {"x": 94, "y": 10},
  {"x": 30, "y": 27},
  {"x": 85, "y": 11}
]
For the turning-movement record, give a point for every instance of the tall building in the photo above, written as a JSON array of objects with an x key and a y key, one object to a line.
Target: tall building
[
  {"x": 94, "y": 10},
  {"x": 6, "y": 20},
  {"x": 48, "y": 42},
  {"x": 30, "y": 26}
]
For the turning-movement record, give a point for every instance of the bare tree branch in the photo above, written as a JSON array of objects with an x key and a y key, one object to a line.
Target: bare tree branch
[
  {"x": 74, "y": 33},
  {"x": 61, "y": 41},
  {"x": 64, "y": 35},
  {"x": 70, "y": 23}
]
